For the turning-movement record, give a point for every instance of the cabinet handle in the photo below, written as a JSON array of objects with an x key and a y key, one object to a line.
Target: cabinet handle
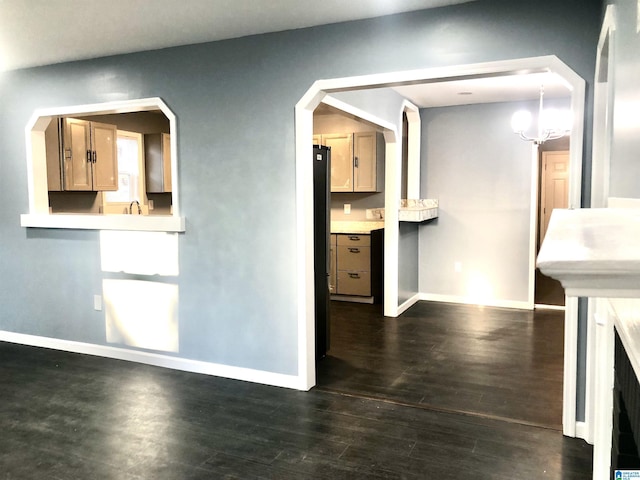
[
  {"x": 88, "y": 156},
  {"x": 95, "y": 156},
  {"x": 355, "y": 162},
  {"x": 354, "y": 275},
  {"x": 354, "y": 250}
]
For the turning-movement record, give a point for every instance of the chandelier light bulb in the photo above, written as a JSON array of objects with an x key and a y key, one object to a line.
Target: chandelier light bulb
[
  {"x": 521, "y": 121},
  {"x": 552, "y": 123}
]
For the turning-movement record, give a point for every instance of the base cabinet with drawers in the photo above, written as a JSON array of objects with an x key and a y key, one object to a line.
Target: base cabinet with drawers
[{"x": 357, "y": 262}]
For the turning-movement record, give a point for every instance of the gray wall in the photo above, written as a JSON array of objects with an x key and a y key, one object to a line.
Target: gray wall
[
  {"x": 408, "y": 261},
  {"x": 234, "y": 102},
  {"x": 480, "y": 172}
]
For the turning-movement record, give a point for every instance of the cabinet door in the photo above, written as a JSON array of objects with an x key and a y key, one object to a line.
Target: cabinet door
[
  {"x": 54, "y": 165},
  {"x": 77, "y": 163},
  {"x": 105, "y": 156},
  {"x": 166, "y": 161},
  {"x": 364, "y": 162},
  {"x": 341, "y": 161},
  {"x": 354, "y": 283},
  {"x": 157, "y": 160},
  {"x": 355, "y": 259}
]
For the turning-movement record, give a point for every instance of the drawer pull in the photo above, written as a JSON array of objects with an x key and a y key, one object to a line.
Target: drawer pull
[
  {"x": 354, "y": 238},
  {"x": 354, "y": 250},
  {"x": 354, "y": 275}
]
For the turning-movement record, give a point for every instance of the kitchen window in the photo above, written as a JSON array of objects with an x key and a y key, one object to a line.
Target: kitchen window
[{"x": 130, "y": 177}]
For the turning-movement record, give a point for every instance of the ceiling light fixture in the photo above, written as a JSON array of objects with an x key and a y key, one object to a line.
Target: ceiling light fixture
[{"x": 552, "y": 123}]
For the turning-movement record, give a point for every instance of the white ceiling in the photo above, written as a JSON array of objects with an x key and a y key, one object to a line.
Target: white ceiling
[
  {"x": 42, "y": 32},
  {"x": 509, "y": 88}
]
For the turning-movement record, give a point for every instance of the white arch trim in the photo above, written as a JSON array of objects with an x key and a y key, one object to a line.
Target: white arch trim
[
  {"x": 413, "y": 149},
  {"x": 304, "y": 195}
]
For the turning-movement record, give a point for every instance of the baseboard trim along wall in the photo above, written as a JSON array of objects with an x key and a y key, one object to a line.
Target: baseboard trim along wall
[
  {"x": 434, "y": 297},
  {"x": 158, "y": 360},
  {"x": 406, "y": 305}
]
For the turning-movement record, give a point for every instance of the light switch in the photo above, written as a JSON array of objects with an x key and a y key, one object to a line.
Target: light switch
[
  {"x": 347, "y": 208},
  {"x": 97, "y": 302}
]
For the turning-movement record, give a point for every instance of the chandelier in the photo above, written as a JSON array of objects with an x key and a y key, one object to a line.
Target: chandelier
[{"x": 552, "y": 123}]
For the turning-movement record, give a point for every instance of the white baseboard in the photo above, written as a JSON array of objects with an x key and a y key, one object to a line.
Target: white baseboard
[
  {"x": 583, "y": 432},
  {"x": 434, "y": 297},
  {"x": 159, "y": 360},
  {"x": 542, "y": 306},
  {"x": 406, "y": 305}
]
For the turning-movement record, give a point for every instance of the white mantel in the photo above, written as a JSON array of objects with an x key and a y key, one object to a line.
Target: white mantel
[{"x": 596, "y": 253}]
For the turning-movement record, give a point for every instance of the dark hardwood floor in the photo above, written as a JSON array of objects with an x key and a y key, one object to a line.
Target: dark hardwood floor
[
  {"x": 70, "y": 416},
  {"x": 548, "y": 291},
  {"x": 501, "y": 363}
]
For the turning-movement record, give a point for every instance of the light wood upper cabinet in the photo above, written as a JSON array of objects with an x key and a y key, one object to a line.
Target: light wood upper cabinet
[
  {"x": 81, "y": 156},
  {"x": 105, "y": 156},
  {"x": 357, "y": 160},
  {"x": 157, "y": 154},
  {"x": 54, "y": 162},
  {"x": 365, "y": 162},
  {"x": 77, "y": 155},
  {"x": 341, "y": 161}
]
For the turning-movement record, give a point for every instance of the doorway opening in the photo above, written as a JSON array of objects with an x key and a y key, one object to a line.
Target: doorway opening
[
  {"x": 304, "y": 131},
  {"x": 350, "y": 156},
  {"x": 553, "y": 192}
]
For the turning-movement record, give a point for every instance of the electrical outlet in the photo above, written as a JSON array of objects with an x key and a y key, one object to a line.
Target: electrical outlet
[
  {"x": 97, "y": 302},
  {"x": 347, "y": 209}
]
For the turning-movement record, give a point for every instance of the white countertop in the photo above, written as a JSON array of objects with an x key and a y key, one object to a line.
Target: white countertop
[
  {"x": 357, "y": 226},
  {"x": 594, "y": 252}
]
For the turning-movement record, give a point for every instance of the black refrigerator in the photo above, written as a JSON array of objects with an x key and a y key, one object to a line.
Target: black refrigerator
[{"x": 322, "y": 230}]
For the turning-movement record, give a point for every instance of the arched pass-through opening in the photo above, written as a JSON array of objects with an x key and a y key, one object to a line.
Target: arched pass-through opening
[
  {"x": 36, "y": 148},
  {"x": 304, "y": 198},
  {"x": 393, "y": 154}
]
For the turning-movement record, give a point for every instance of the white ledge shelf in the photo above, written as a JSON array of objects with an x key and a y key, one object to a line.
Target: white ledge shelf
[
  {"x": 146, "y": 223},
  {"x": 594, "y": 252},
  {"x": 419, "y": 210}
]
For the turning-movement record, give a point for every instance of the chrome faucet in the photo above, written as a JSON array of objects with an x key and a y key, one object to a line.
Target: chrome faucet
[{"x": 137, "y": 203}]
